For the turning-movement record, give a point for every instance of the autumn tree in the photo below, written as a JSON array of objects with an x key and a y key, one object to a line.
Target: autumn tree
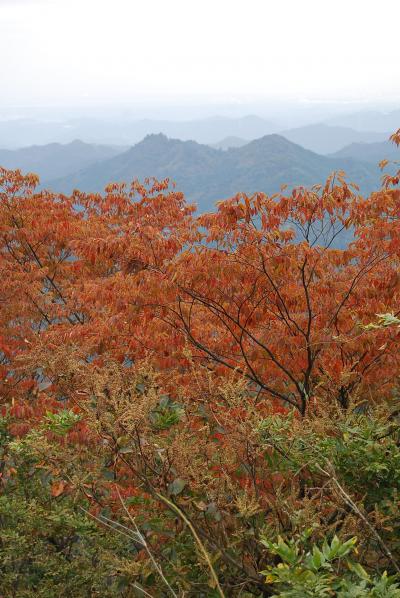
[
  {"x": 271, "y": 295},
  {"x": 69, "y": 267}
]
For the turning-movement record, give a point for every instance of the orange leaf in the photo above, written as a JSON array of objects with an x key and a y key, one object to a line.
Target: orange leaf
[{"x": 57, "y": 488}]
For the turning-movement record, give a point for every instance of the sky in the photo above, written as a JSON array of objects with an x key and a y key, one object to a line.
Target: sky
[{"x": 61, "y": 52}]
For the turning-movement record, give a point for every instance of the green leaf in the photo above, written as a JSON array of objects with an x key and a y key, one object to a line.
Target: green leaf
[
  {"x": 318, "y": 558},
  {"x": 358, "y": 570},
  {"x": 176, "y": 486}
]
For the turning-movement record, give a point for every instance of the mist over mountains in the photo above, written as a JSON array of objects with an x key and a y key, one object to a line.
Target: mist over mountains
[
  {"x": 22, "y": 132},
  {"x": 55, "y": 159},
  {"x": 209, "y": 159},
  {"x": 323, "y": 137},
  {"x": 206, "y": 174},
  {"x": 369, "y": 152},
  {"x": 368, "y": 120},
  {"x": 326, "y": 139}
]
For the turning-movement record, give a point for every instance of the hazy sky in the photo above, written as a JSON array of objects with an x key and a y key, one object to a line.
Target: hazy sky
[{"x": 80, "y": 51}]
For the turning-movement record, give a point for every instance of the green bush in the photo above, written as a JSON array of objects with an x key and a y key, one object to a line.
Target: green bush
[{"x": 48, "y": 544}]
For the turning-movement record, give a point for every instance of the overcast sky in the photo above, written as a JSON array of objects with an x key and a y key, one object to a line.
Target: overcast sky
[{"x": 78, "y": 51}]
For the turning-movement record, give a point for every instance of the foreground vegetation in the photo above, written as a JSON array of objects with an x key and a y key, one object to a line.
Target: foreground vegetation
[{"x": 199, "y": 406}]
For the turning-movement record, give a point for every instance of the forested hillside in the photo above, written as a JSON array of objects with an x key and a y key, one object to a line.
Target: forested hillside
[
  {"x": 56, "y": 160},
  {"x": 207, "y": 175}
]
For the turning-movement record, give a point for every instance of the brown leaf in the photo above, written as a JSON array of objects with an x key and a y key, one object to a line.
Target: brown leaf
[{"x": 57, "y": 488}]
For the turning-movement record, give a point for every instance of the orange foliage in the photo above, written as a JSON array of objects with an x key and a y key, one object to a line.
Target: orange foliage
[{"x": 259, "y": 287}]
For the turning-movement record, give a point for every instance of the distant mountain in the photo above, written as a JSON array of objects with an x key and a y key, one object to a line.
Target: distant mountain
[
  {"x": 229, "y": 142},
  {"x": 193, "y": 166},
  {"x": 55, "y": 160},
  {"x": 19, "y": 133},
  {"x": 324, "y": 139},
  {"x": 369, "y": 152},
  {"x": 368, "y": 121},
  {"x": 206, "y": 174}
]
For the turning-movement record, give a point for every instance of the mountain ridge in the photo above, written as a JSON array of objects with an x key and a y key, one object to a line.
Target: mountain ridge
[
  {"x": 326, "y": 139},
  {"x": 55, "y": 160},
  {"x": 369, "y": 152},
  {"x": 206, "y": 174},
  {"x": 22, "y": 132},
  {"x": 368, "y": 120}
]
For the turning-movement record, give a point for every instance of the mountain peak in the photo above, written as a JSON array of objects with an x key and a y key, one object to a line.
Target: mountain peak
[
  {"x": 274, "y": 141},
  {"x": 207, "y": 175},
  {"x": 155, "y": 138}
]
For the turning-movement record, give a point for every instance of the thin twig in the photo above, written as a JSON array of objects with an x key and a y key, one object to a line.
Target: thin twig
[
  {"x": 143, "y": 541},
  {"x": 137, "y": 538},
  {"x": 200, "y": 544},
  {"x": 142, "y": 590},
  {"x": 348, "y": 500}
]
